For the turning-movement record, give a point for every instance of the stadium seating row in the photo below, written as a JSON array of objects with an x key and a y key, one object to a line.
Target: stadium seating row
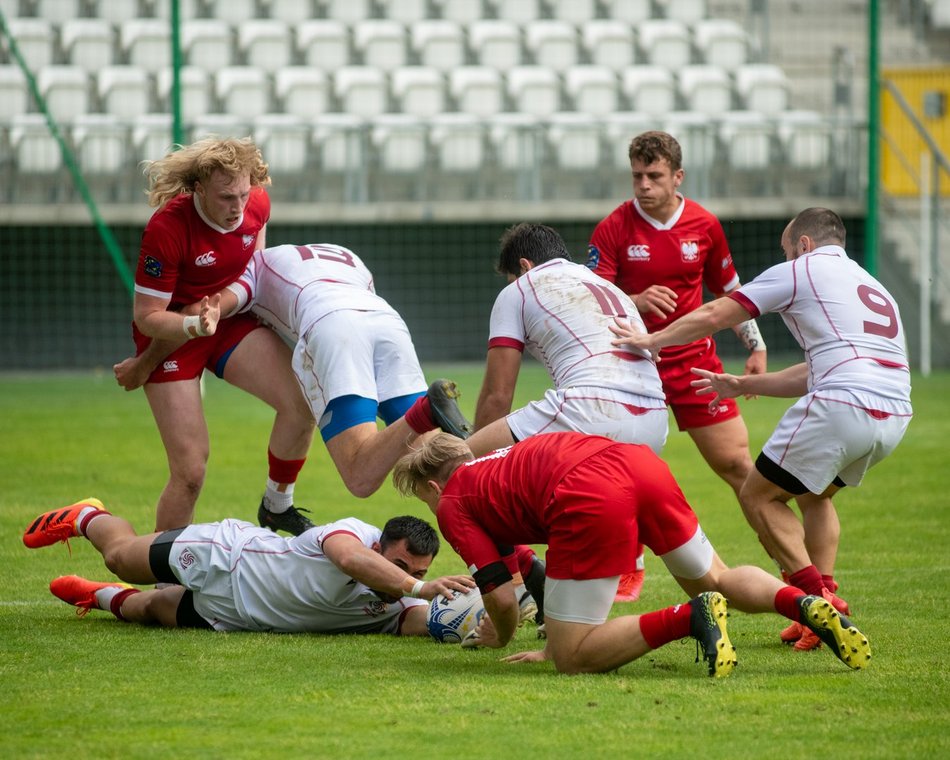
[
  {"x": 327, "y": 44},
  {"x": 366, "y": 91},
  {"x": 448, "y": 142},
  {"x": 404, "y": 11}
]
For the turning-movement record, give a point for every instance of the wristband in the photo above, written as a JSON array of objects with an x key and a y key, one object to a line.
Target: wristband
[
  {"x": 193, "y": 321},
  {"x": 417, "y": 589},
  {"x": 748, "y": 333}
]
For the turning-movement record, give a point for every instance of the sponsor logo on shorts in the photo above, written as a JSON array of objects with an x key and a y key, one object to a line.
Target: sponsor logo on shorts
[
  {"x": 206, "y": 259},
  {"x": 170, "y": 366},
  {"x": 152, "y": 266},
  {"x": 248, "y": 239},
  {"x": 689, "y": 250},
  {"x": 186, "y": 559},
  {"x": 638, "y": 253}
]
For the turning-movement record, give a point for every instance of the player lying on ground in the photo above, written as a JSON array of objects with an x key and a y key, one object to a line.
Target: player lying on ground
[
  {"x": 344, "y": 577},
  {"x": 591, "y": 500}
]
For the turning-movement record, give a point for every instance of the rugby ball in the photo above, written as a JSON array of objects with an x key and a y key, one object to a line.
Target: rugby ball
[{"x": 449, "y": 620}]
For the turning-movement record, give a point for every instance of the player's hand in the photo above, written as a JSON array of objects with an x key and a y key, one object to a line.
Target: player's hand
[
  {"x": 658, "y": 300},
  {"x": 446, "y": 585},
  {"x": 723, "y": 385},
  {"x": 130, "y": 373},
  {"x": 633, "y": 338},
  {"x": 209, "y": 314},
  {"x": 484, "y": 635},
  {"x": 535, "y": 655}
]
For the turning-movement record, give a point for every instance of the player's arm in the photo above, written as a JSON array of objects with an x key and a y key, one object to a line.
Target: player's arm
[
  {"x": 708, "y": 319},
  {"x": 502, "y": 366},
  {"x": 371, "y": 569},
  {"x": 790, "y": 382},
  {"x": 501, "y": 607},
  {"x": 751, "y": 337}
]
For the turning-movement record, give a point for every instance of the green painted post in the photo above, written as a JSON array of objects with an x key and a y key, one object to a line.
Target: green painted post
[{"x": 178, "y": 131}]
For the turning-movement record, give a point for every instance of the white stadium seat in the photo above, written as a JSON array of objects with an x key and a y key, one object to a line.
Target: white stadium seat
[
  {"x": 101, "y": 142},
  {"x": 361, "y": 90},
  {"x": 522, "y": 12},
  {"x": 291, "y": 11},
  {"x": 762, "y": 87},
  {"x": 14, "y": 94},
  {"x": 88, "y": 42},
  {"x": 697, "y": 136},
  {"x": 285, "y": 141},
  {"x": 304, "y": 91},
  {"x": 649, "y": 89},
  {"x": 722, "y": 43},
  {"x": 535, "y": 90},
  {"x": 747, "y": 139},
  {"x": 439, "y": 44},
  {"x": 187, "y": 9},
  {"x": 403, "y": 11},
  {"x": 665, "y": 42},
  {"x": 552, "y": 43},
  {"x": 620, "y": 128},
  {"x": 705, "y": 88},
  {"x": 35, "y": 150},
  {"x": 459, "y": 142},
  {"x": 516, "y": 138},
  {"x": 477, "y": 90},
  {"x": 265, "y": 44},
  {"x": 147, "y": 43},
  {"x": 234, "y": 11},
  {"x": 687, "y": 11},
  {"x": 151, "y": 136},
  {"x": 57, "y": 10},
  {"x": 381, "y": 42},
  {"x": 220, "y": 125},
  {"x": 244, "y": 91},
  {"x": 207, "y": 43},
  {"x": 806, "y": 139},
  {"x": 400, "y": 143},
  {"x": 575, "y": 140},
  {"x": 419, "y": 90},
  {"x": 124, "y": 91},
  {"x": 66, "y": 91},
  {"x": 460, "y": 11},
  {"x": 339, "y": 139},
  {"x": 195, "y": 91},
  {"x": 574, "y": 12},
  {"x": 592, "y": 88},
  {"x": 35, "y": 41},
  {"x": 609, "y": 43},
  {"x": 628, "y": 11},
  {"x": 324, "y": 44},
  {"x": 114, "y": 12},
  {"x": 347, "y": 11},
  {"x": 495, "y": 43}
]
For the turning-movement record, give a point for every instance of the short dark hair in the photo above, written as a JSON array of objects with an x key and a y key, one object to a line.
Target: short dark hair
[
  {"x": 651, "y": 147},
  {"x": 535, "y": 242},
  {"x": 822, "y": 225},
  {"x": 421, "y": 538}
]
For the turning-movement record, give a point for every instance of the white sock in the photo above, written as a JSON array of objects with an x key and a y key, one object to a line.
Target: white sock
[
  {"x": 276, "y": 500},
  {"x": 104, "y": 597},
  {"x": 82, "y": 516}
]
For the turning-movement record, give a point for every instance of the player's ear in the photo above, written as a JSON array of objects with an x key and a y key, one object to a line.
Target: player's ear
[{"x": 377, "y": 547}]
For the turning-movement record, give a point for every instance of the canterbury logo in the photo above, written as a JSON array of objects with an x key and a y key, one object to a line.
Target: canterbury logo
[
  {"x": 248, "y": 239},
  {"x": 205, "y": 259},
  {"x": 170, "y": 366},
  {"x": 635, "y": 252}
]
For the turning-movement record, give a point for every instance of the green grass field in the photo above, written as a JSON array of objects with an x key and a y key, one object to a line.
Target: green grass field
[{"x": 95, "y": 687}]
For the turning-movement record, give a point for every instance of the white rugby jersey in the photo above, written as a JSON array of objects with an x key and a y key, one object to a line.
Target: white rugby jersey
[
  {"x": 288, "y": 584},
  {"x": 560, "y": 312},
  {"x": 293, "y": 286},
  {"x": 842, "y": 317}
]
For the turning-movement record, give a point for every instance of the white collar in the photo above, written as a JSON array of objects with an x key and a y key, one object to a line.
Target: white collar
[
  {"x": 212, "y": 225},
  {"x": 656, "y": 223}
]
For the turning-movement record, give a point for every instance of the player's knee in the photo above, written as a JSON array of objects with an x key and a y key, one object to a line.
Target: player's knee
[
  {"x": 190, "y": 476},
  {"x": 360, "y": 486}
]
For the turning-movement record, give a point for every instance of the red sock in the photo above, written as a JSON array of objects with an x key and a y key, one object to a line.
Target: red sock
[
  {"x": 116, "y": 604},
  {"x": 786, "y": 602},
  {"x": 830, "y": 583},
  {"x": 525, "y": 555},
  {"x": 663, "y": 626},
  {"x": 419, "y": 416},
  {"x": 808, "y": 579},
  {"x": 283, "y": 470}
]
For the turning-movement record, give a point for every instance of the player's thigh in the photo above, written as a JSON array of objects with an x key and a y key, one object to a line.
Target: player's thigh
[
  {"x": 260, "y": 365},
  {"x": 180, "y": 419},
  {"x": 724, "y": 442}
]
